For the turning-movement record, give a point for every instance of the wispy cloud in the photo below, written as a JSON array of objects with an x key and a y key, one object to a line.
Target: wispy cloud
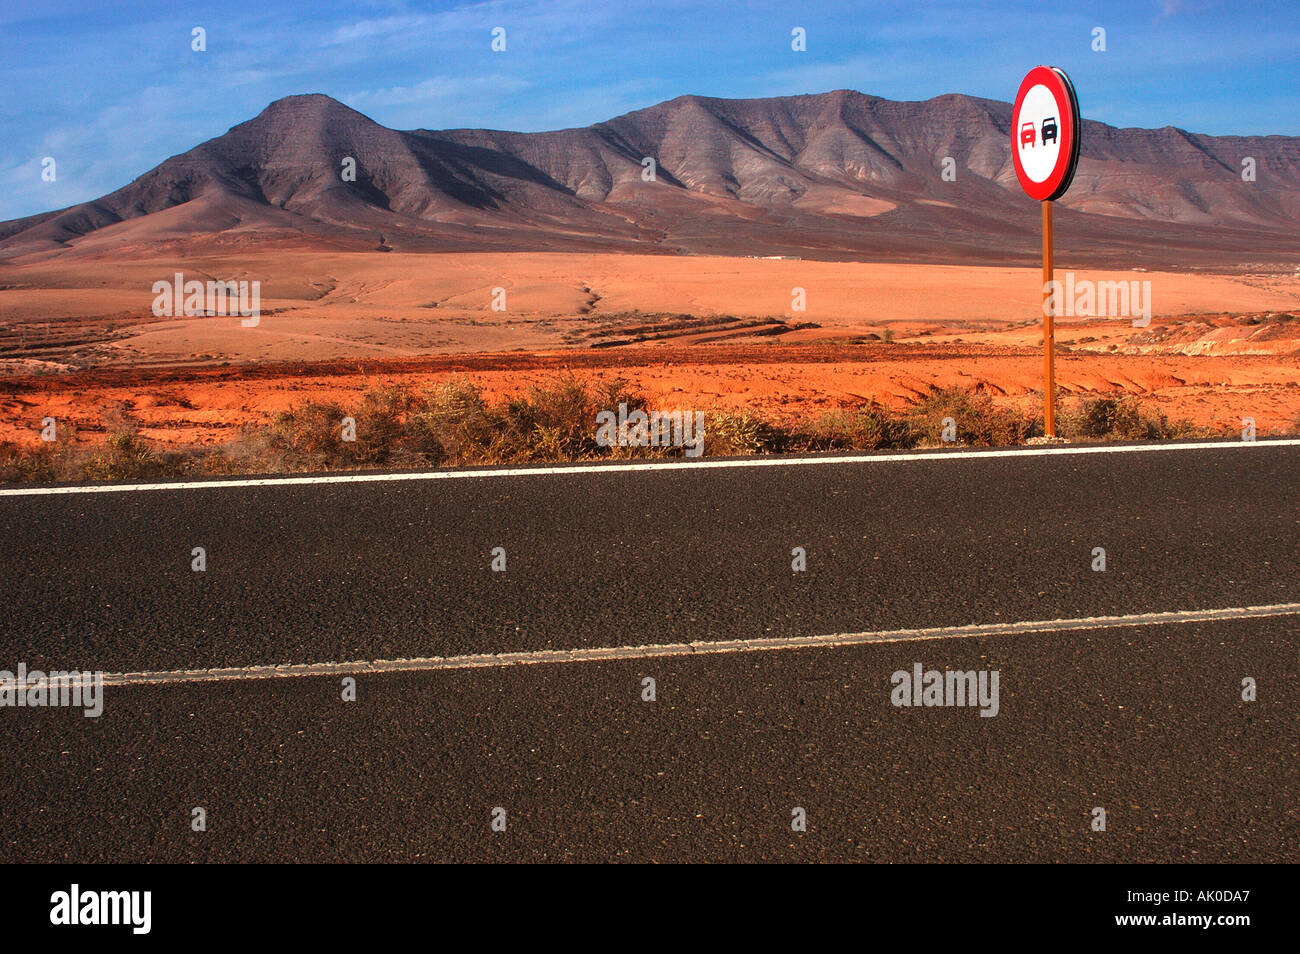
[
  {"x": 441, "y": 100},
  {"x": 372, "y": 29}
]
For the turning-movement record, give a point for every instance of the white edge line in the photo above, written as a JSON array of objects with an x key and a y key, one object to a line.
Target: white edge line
[
  {"x": 665, "y": 650},
  {"x": 652, "y": 466}
]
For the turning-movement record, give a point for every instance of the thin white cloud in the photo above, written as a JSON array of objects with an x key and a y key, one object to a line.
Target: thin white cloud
[{"x": 369, "y": 29}]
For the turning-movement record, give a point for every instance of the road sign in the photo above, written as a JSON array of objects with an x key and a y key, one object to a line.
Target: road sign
[
  {"x": 1045, "y": 133},
  {"x": 1045, "y": 128}
]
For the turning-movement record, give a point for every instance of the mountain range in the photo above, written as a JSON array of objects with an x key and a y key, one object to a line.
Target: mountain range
[{"x": 838, "y": 175}]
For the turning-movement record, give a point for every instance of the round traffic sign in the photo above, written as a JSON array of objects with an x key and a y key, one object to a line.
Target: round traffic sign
[{"x": 1045, "y": 133}]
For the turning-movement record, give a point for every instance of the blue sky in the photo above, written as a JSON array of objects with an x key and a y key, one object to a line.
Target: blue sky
[{"x": 110, "y": 89}]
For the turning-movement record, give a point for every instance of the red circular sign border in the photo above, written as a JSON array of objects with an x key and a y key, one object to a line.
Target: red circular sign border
[{"x": 1054, "y": 186}]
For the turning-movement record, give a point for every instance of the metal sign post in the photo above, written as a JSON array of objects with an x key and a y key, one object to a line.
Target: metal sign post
[{"x": 1049, "y": 330}]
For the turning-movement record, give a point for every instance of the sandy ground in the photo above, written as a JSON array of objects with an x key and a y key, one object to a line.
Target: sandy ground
[
  {"x": 690, "y": 332},
  {"x": 317, "y": 306},
  {"x": 182, "y": 406}
]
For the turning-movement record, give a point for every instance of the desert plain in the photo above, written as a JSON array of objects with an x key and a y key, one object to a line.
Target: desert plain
[{"x": 79, "y": 340}]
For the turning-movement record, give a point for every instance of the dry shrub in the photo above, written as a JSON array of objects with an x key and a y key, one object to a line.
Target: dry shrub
[{"x": 978, "y": 420}]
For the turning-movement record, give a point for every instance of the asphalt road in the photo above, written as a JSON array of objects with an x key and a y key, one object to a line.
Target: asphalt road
[{"x": 1145, "y": 721}]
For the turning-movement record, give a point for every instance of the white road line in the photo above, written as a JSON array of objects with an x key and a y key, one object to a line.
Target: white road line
[
  {"x": 698, "y": 648},
  {"x": 656, "y": 465}
]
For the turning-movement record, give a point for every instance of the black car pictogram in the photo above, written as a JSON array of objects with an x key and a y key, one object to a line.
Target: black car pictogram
[{"x": 1049, "y": 129}]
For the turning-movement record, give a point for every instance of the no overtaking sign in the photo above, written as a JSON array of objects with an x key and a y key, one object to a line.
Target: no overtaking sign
[{"x": 1045, "y": 133}]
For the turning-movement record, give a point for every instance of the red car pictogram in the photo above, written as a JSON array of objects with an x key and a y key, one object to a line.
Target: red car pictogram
[{"x": 1027, "y": 134}]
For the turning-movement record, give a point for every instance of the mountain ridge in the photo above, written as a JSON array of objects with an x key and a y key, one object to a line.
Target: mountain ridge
[{"x": 829, "y": 175}]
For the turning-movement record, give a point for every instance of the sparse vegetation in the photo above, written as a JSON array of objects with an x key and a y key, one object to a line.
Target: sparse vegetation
[
  {"x": 977, "y": 418},
  {"x": 870, "y": 427},
  {"x": 1122, "y": 419},
  {"x": 731, "y": 433},
  {"x": 454, "y": 424},
  {"x": 23, "y": 465},
  {"x": 123, "y": 456}
]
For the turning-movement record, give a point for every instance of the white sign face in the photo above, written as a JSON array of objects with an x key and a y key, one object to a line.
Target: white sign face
[{"x": 1038, "y": 134}]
